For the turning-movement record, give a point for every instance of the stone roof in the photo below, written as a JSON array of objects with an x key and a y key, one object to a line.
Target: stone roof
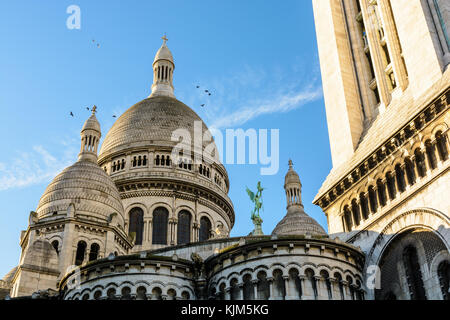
[
  {"x": 150, "y": 122},
  {"x": 85, "y": 185},
  {"x": 163, "y": 54},
  {"x": 297, "y": 222},
  {"x": 398, "y": 114},
  {"x": 92, "y": 124}
]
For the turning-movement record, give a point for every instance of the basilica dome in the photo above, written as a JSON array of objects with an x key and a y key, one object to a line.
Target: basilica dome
[
  {"x": 83, "y": 185},
  {"x": 150, "y": 122}
]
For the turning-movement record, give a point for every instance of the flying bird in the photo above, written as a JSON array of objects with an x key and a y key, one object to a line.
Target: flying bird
[
  {"x": 71, "y": 113},
  {"x": 202, "y": 105},
  {"x": 87, "y": 108},
  {"x": 209, "y": 94},
  {"x": 198, "y": 87},
  {"x": 206, "y": 91},
  {"x": 114, "y": 115}
]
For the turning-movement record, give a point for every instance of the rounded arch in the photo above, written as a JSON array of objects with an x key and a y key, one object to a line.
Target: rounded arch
[
  {"x": 159, "y": 204},
  {"x": 439, "y": 127},
  {"x": 160, "y": 225}
]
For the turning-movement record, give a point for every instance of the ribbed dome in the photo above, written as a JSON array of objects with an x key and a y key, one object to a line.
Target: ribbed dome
[
  {"x": 91, "y": 124},
  {"x": 297, "y": 222},
  {"x": 150, "y": 122},
  {"x": 163, "y": 54},
  {"x": 85, "y": 185}
]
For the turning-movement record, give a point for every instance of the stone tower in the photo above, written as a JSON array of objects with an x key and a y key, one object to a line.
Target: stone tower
[{"x": 386, "y": 80}]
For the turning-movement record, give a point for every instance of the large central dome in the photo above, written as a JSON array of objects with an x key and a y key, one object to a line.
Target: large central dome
[{"x": 150, "y": 122}]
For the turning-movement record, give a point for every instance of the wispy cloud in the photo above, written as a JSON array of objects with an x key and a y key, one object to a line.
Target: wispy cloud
[
  {"x": 251, "y": 92},
  {"x": 280, "y": 104},
  {"x": 35, "y": 166}
]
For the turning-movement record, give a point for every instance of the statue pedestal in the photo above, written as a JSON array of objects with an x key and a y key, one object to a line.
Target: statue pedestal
[{"x": 257, "y": 221}]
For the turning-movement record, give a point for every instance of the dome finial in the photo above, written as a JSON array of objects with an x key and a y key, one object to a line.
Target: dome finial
[
  {"x": 94, "y": 109},
  {"x": 164, "y": 39},
  {"x": 291, "y": 164}
]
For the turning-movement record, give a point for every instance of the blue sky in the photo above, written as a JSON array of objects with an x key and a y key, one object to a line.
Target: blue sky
[{"x": 259, "y": 58}]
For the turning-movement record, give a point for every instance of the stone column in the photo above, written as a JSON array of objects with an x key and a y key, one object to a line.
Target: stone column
[
  {"x": 302, "y": 287},
  {"x": 255, "y": 289},
  {"x": 287, "y": 287},
  {"x": 227, "y": 293},
  {"x": 335, "y": 289},
  {"x": 241, "y": 291},
  {"x": 271, "y": 289}
]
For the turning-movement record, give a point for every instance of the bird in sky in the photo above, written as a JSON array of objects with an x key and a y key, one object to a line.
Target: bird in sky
[
  {"x": 71, "y": 113},
  {"x": 198, "y": 87},
  {"x": 114, "y": 115},
  {"x": 87, "y": 108},
  {"x": 202, "y": 105},
  {"x": 209, "y": 94},
  {"x": 206, "y": 91}
]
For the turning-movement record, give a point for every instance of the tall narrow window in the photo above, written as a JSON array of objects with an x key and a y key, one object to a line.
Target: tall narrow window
[
  {"x": 431, "y": 154},
  {"x": 390, "y": 180},
  {"x": 381, "y": 188},
  {"x": 81, "y": 250},
  {"x": 372, "y": 200},
  {"x": 364, "y": 205},
  {"x": 93, "y": 253},
  {"x": 55, "y": 245},
  {"x": 355, "y": 212},
  {"x": 136, "y": 228},
  {"x": 441, "y": 143},
  {"x": 184, "y": 227},
  {"x": 420, "y": 162},
  {"x": 160, "y": 224},
  {"x": 205, "y": 227},
  {"x": 400, "y": 177},
  {"x": 263, "y": 287},
  {"x": 410, "y": 173},
  {"x": 413, "y": 274},
  {"x": 248, "y": 291},
  {"x": 348, "y": 218}
]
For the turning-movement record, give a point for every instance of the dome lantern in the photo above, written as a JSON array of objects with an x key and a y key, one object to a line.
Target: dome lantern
[
  {"x": 163, "y": 67},
  {"x": 90, "y": 138}
]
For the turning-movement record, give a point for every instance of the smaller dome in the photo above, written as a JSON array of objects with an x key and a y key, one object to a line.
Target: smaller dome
[
  {"x": 297, "y": 222},
  {"x": 92, "y": 122},
  {"x": 10, "y": 275},
  {"x": 85, "y": 185}
]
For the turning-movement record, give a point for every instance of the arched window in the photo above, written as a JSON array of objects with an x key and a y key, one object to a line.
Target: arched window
[
  {"x": 111, "y": 294},
  {"x": 348, "y": 218},
  {"x": 171, "y": 294},
  {"x": 295, "y": 286},
  {"x": 235, "y": 291},
  {"x": 420, "y": 162},
  {"x": 205, "y": 227},
  {"x": 441, "y": 143},
  {"x": 338, "y": 278},
  {"x": 413, "y": 274},
  {"x": 390, "y": 180},
  {"x": 136, "y": 228},
  {"x": 364, "y": 205},
  {"x": 350, "y": 286},
  {"x": 156, "y": 294},
  {"x": 249, "y": 292},
  {"x": 222, "y": 291},
  {"x": 185, "y": 295},
  {"x": 81, "y": 250},
  {"x": 431, "y": 154},
  {"x": 184, "y": 227},
  {"x": 93, "y": 253},
  {"x": 410, "y": 173},
  {"x": 312, "y": 281},
  {"x": 263, "y": 286},
  {"x": 400, "y": 176},
  {"x": 141, "y": 293},
  {"x": 372, "y": 200},
  {"x": 160, "y": 223},
  {"x": 55, "y": 245},
  {"x": 157, "y": 160},
  {"x": 381, "y": 188},
  {"x": 355, "y": 212},
  {"x": 126, "y": 293},
  {"x": 326, "y": 277},
  {"x": 279, "y": 285},
  {"x": 444, "y": 278},
  {"x": 168, "y": 161}
]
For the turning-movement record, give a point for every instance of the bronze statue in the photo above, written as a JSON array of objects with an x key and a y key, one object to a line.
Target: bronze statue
[{"x": 257, "y": 200}]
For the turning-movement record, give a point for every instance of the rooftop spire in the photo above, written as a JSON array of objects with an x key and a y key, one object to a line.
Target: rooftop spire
[
  {"x": 90, "y": 137},
  {"x": 163, "y": 67}
]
